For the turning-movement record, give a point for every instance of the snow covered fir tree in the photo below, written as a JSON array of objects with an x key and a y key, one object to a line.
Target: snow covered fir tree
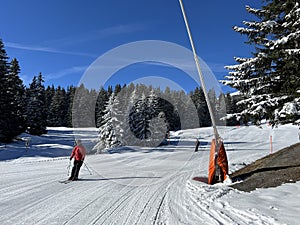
[
  {"x": 141, "y": 115},
  {"x": 147, "y": 120},
  {"x": 36, "y": 106},
  {"x": 269, "y": 81},
  {"x": 126, "y": 118},
  {"x": 107, "y": 132}
]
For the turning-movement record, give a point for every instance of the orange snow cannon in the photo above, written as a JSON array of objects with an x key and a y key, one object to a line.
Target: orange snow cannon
[{"x": 218, "y": 163}]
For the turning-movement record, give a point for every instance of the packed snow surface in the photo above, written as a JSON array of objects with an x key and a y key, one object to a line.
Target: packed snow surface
[{"x": 135, "y": 185}]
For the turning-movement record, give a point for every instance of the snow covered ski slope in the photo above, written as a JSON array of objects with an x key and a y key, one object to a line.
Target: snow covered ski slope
[{"x": 140, "y": 185}]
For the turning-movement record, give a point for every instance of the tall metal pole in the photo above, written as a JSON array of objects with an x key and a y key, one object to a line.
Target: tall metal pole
[
  {"x": 212, "y": 117},
  {"x": 217, "y": 168}
]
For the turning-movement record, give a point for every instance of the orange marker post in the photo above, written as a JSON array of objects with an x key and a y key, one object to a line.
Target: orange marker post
[{"x": 271, "y": 144}]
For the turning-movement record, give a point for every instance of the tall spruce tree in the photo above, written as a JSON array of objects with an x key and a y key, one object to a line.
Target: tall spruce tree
[
  {"x": 107, "y": 133},
  {"x": 231, "y": 108},
  {"x": 147, "y": 120},
  {"x": 49, "y": 93},
  {"x": 200, "y": 103},
  {"x": 158, "y": 124},
  {"x": 69, "y": 101},
  {"x": 16, "y": 94},
  {"x": 11, "y": 98},
  {"x": 187, "y": 111},
  {"x": 168, "y": 102},
  {"x": 100, "y": 106},
  {"x": 58, "y": 109},
  {"x": 4, "y": 109},
  {"x": 83, "y": 107},
  {"x": 140, "y": 116},
  {"x": 124, "y": 104},
  {"x": 269, "y": 80},
  {"x": 36, "y": 107}
]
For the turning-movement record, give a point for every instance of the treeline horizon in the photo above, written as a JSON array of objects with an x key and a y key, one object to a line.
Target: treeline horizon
[
  {"x": 59, "y": 102},
  {"x": 35, "y": 107}
]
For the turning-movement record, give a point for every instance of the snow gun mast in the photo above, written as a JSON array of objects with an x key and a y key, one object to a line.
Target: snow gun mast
[{"x": 217, "y": 138}]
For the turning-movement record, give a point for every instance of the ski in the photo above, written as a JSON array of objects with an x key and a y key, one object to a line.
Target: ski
[
  {"x": 67, "y": 181},
  {"x": 64, "y": 181}
]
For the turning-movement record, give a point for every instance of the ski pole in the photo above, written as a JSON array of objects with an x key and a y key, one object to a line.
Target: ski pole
[{"x": 87, "y": 168}]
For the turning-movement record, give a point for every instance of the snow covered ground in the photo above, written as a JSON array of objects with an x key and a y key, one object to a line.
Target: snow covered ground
[{"x": 140, "y": 185}]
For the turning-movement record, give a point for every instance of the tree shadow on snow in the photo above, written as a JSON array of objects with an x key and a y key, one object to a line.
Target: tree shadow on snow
[{"x": 11, "y": 153}]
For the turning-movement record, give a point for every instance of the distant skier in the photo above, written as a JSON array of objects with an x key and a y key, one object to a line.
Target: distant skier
[
  {"x": 197, "y": 145},
  {"x": 79, "y": 153}
]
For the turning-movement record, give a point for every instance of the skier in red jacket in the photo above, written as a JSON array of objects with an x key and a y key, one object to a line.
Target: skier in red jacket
[{"x": 78, "y": 153}]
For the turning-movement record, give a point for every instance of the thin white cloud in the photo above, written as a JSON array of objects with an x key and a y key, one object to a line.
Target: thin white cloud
[
  {"x": 153, "y": 63},
  {"x": 190, "y": 65},
  {"x": 119, "y": 29},
  {"x": 181, "y": 63},
  {"x": 43, "y": 49},
  {"x": 97, "y": 34},
  {"x": 72, "y": 40},
  {"x": 65, "y": 72}
]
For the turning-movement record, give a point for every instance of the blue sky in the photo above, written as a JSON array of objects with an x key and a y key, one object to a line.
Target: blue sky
[{"x": 62, "y": 38}]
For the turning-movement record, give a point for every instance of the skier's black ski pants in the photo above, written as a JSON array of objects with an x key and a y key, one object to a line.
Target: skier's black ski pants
[{"x": 76, "y": 168}]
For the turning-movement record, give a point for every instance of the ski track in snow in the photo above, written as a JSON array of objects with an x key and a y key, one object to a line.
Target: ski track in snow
[
  {"x": 215, "y": 210},
  {"x": 38, "y": 193},
  {"x": 119, "y": 192}
]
